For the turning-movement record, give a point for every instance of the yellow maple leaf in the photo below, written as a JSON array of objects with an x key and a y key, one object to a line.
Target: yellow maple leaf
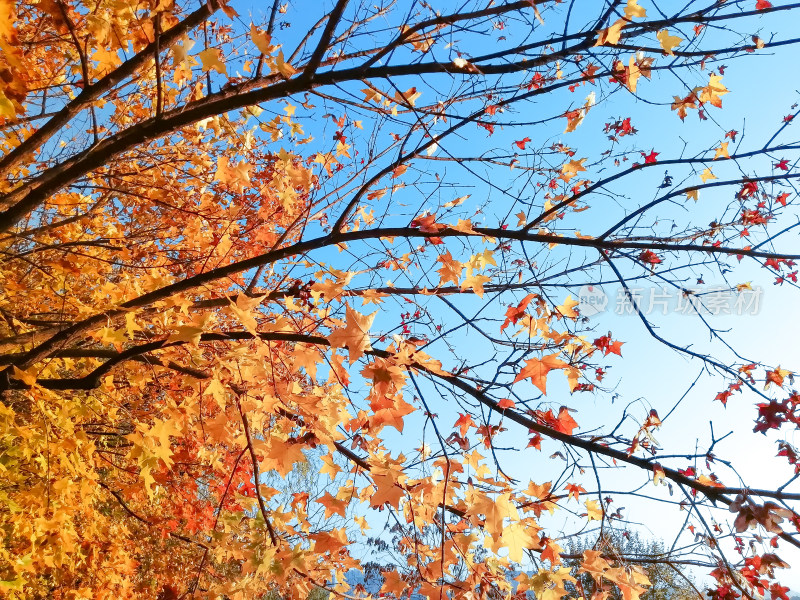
[
  {"x": 722, "y": 151},
  {"x": 372, "y": 95},
  {"x": 262, "y": 40},
  {"x": 495, "y": 510},
  {"x": 283, "y": 67},
  {"x": 210, "y": 57},
  {"x": 707, "y": 174},
  {"x": 610, "y": 35},
  {"x": 593, "y": 510},
  {"x": 632, "y": 9},
  {"x": 474, "y": 281},
  {"x": 630, "y": 581},
  {"x": 187, "y": 333},
  {"x": 668, "y": 42},
  {"x": 712, "y": 92},
  {"x": 568, "y": 308},
  {"x": 517, "y": 538},
  {"x": 571, "y": 168},
  {"x": 355, "y": 335}
]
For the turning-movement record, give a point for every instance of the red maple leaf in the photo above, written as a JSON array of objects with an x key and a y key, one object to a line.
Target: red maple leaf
[
  {"x": 782, "y": 198},
  {"x": 762, "y": 4},
  {"x": 771, "y": 415},
  {"x": 521, "y": 143},
  {"x": 515, "y": 313},
  {"x": 749, "y": 188},
  {"x": 464, "y": 422},
  {"x": 783, "y": 165},
  {"x": 776, "y": 590},
  {"x": 723, "y": 397},
  {"x": 506, "y": 403},
  {"x": 650, "y": 158},
  {"x": 649, "y": 257},
  {"x": 608, "y": 346},
  {"x": 564, "y": 423}
]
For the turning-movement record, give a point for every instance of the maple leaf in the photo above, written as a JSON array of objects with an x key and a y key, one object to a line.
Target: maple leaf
[
  {"x": 391, "y": 413},
  {"x": 630, "y": 582},
  {"x": 387, "y": 491},
  {"x": 649, "y": 257},
  {"x": 464, "y": 422},
  {"x": 329, "y": 468},
  {"x": 777, "y": 376},
  {"x": 517, "y": 537},
  {"x": 668, "y": 42},
  {"x": 571, "y": 168},
  {"x": 608, "y": 346},
  {"x": 398, "y": 171},
  {"x": 682, "y": 105},
  {"x": 632, "y": 9},
  {"x": 763, "y": 4},
  {"x": 515, "y": 313},
  {"x": 567, "y": 309},
  {"x": 474, "y": 281},
  {"x": 408, "y": 97},
  {"x": 521, "y": 143},
  {"x": 284, "y": 68},
  {"x": 262, "y": 40},
  {"x": 627, "y": 75},
  {"x": 594, "y": 511},
  {"x": 450, "y": 271},
  {"x": 783, "y": 165},
  {"x": 427, "y": 224},
  {"x": 496, "y": 510},
  {"x": 210, "y": 57},
  {"x": 650, "y": 158},
  {"x": 610, "y": 35},
  {"x": 712, "y": 92},
  {"x": 594, "y": 564},
  {"x": 575, "y": 117},
  {"x": 707, "y": 175},
  {"x": 564, "y": 422},
  {"x": 333, "y": 506},
  {"x": 722, "y": 151},
  {"x": 537, "y": 370},
  {"x": 355, "y": 335},
  {"x": 574, "y": 490}
]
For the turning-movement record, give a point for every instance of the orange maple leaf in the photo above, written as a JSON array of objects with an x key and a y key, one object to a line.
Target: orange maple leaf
[
  {"x": 574, "y": 490},
  {"x": 332, "y": 505},
  {"x": 537, "y": 370}
]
